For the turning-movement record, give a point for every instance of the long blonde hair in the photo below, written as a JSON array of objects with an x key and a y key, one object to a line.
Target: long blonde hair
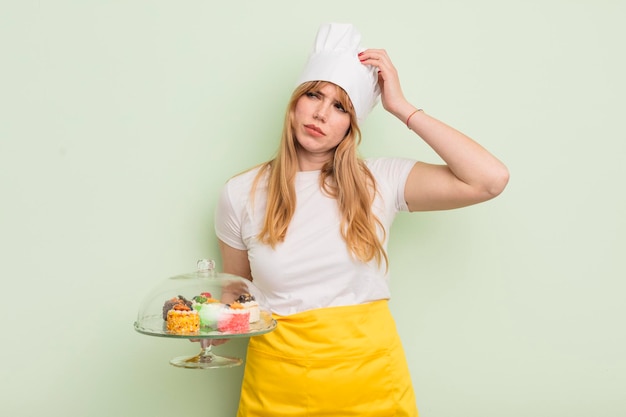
[{"x": 345, "y": 177}]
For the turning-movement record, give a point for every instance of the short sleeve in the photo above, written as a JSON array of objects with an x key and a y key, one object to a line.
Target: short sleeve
[
  {"x": 392, "y": 173},
  {"x": 228, "y": 221}
]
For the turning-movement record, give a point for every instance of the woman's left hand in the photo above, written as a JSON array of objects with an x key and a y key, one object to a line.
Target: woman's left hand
[
  {"x": 392, "y": 97},
  {"x": 470, "y": 174}
]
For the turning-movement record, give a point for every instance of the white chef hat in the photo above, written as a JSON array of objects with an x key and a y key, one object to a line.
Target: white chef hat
[{"x": 335, "y": 58}]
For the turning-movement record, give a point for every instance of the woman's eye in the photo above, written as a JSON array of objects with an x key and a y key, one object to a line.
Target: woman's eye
[
  {"x": 339, "y": 107},
  {"x": 312, "y": 95}
]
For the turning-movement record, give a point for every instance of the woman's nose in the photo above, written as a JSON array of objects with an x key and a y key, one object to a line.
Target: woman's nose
[{"x": 320, "y": 113}]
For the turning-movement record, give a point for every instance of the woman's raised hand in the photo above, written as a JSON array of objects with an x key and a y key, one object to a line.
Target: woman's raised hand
[{"x": 392, "y": 98}]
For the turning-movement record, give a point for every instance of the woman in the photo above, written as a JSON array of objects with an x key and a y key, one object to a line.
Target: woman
[{"x": 310, "y": 227}]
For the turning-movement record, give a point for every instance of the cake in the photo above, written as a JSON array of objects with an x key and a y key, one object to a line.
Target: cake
[
  {"x": 169, "y": 304},
  {"x": 181, "y": 319},
  {"x": 249, "y": 303},
  {"x": 234, "y": 318},
  {"x": 208, "y": 309},
  {"x": 203, "y": 312},
  {"x": 202, "y": 298}
]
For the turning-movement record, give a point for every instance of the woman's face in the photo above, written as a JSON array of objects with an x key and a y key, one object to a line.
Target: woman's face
[{"x": 320, "y": 123}]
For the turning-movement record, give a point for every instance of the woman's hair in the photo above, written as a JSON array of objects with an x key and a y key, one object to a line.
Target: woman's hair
[{"x": 345, "y": 177}]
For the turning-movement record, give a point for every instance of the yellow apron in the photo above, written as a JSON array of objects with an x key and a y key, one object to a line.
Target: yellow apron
[{"x": 336, "y": 361}]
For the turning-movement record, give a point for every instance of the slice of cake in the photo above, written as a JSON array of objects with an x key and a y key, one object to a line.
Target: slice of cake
[
  {"x": 169, "y": 304},
  {"x": 208, "y": 309},
  {"x": 249, "y": 303},
  {"x": 233, "y": 318},
  {"x": 183, "y": 320},
  {"x": 209, "y": 315}
]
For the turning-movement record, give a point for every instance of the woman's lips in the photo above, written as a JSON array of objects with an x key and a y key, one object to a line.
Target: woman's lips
[{"x": 315, "y": 129}]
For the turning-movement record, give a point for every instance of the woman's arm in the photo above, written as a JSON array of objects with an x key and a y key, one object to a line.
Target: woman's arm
[
  {"x": 470, "y": 175},
  {"x": 235, "y": 261}
]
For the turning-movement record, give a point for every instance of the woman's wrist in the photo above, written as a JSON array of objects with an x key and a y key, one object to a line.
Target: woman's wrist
[
  {"x": 403, "y": 111},
  {"x": 411, "y": 116},
  {"x": 407, "y": 114}
]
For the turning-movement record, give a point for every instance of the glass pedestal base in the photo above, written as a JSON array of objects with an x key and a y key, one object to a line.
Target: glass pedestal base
[{"x": 206, "y": 359}]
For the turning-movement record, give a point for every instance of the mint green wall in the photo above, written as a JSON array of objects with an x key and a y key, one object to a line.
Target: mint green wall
[{"x": 120, "y": 120}]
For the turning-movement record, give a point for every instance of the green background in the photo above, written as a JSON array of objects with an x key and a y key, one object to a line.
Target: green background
[{"x": 120, "y": 121}]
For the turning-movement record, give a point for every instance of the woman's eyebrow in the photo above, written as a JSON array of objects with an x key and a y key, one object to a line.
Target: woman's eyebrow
[{"x": 319, "y": 92}]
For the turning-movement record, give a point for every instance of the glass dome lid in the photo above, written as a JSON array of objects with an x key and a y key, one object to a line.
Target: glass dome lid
[{"x": 205, "y": 304}]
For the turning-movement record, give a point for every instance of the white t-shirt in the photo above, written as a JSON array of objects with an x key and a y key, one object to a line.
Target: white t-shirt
[{"x": 312, "y": 268}]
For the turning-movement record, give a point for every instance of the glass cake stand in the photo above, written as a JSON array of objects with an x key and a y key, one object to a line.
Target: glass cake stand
[{"x": 223, "y": 290}]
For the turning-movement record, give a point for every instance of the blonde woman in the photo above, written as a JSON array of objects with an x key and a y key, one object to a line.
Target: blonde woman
[{"x": 310, "y": 227}]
